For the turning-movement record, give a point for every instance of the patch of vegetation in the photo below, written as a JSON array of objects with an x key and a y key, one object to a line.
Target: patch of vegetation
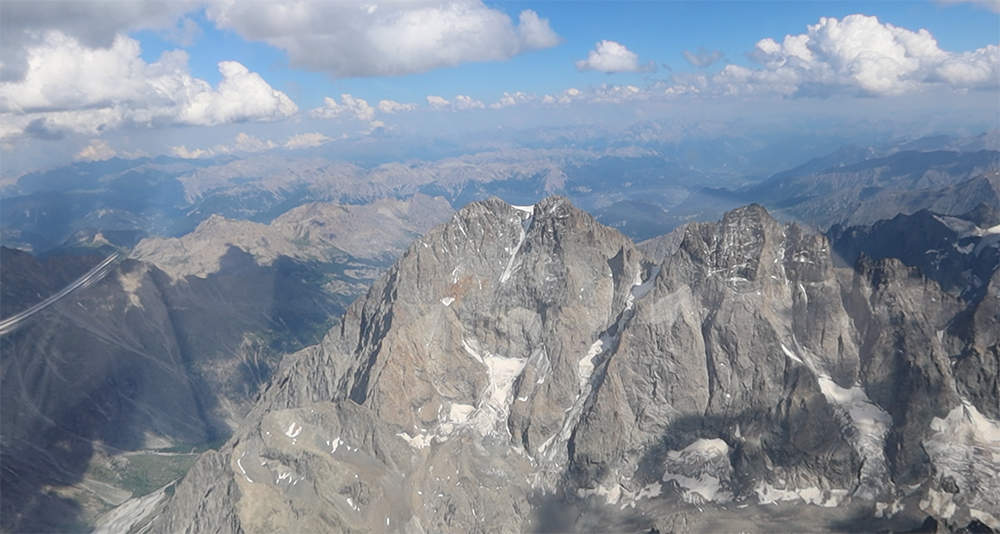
[
  {"x": 141, "y": 473},
  {"x": 145, "y": 473}
]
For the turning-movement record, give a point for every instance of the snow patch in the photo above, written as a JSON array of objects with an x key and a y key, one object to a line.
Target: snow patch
[
  {"x": 884, "y": 509},
  {"x": 239, "y": 462},
  {"x": 961, "y": 227},
  {"x": 938, "y": 503},
  {"x": 790, "y": 354},
  {"x": 294, "y": 429},
  {"x": 702, "y": 469},
  {"x": 871, "y": 425},
  {"x": 520, "y": 241},
  {"x": 611, "y": 495},
  {"x": 987, "y": 518},
  {"x": 768, "y": 494},
  {"x": 965, "y": 445},
  {"x": 459, "y": 413},
  {"x": 640, "y": 288},
  {"x": 417, "y": 442},
  {"x": 447, "y": 301},
  {"x": 586, "y": 365},
  {"x": 494, "y": 405}
]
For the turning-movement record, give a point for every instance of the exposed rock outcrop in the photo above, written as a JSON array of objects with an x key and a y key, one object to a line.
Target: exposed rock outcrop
[{"x": 518, "y": 357}]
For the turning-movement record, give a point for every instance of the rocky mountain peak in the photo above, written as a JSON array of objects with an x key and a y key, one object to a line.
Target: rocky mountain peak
[{"x": 521, "y": 355}]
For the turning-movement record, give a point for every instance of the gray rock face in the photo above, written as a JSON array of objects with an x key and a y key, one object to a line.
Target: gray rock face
[{"x": 518, "y": 357}]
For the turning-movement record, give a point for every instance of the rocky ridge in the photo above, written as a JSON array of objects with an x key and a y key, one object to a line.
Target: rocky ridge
[
  {"x": 318, "y": 231},
  {"x": 520, "y": 357}
]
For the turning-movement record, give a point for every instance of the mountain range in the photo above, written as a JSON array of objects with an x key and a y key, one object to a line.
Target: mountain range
[
  {"x": 526, "y": 368},
  {"x": 817, "y": 349}
]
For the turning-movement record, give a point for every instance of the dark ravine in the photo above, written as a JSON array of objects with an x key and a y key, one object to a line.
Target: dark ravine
[{"x": 519, "y": 362}]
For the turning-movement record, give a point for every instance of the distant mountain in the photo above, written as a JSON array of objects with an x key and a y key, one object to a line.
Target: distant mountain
[
  {"x": 105, "y": 394},
  {"x": 833, "y": 195},
  {"x": 860, "y": 192},
  {"x": 169, "y": 198},
  {"x": 526, "y": 368},
  {"x": 959, "y": 253},
  {"x": 373, "y": 233}
]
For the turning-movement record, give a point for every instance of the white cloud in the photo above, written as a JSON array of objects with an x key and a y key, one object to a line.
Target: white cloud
[
  {"x": 856, "y": 56},
  {"x": 460, "y": 103},
  {"x": 463, "y": 102},
  {"x": 437, "y": 102},
  {"x": 513, "y": 99},
  {"x": 566, "y": 97},
  {"x": 307, "y": 140},
  {"x": 350, "y": 108},
  {"x": 391, "y": 106},
  {"x": 247, "y": 144},
  {"x": 242, "y": 95},
  {"x": 535, "y": 32},
  {"x": 94, "y": 23},
  {"x": 615, "y": 94},
  {"x": 703, "y": 58},
  {"x": 183, "y": 152},
  {"x": 602, "y": 94},
  {"x": 242, "y": 144},
  {"x": 610, "y": 57},
  {"x": 73, "y": 88},
  {"x": 348, "y": 39},
  {"x": 96, "y": 150}
]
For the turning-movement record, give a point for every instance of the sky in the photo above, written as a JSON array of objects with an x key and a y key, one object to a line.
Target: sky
[{"x": 86, "y": 80}]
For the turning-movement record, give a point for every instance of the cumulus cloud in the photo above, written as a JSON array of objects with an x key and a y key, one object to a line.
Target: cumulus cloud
[
  {"x": 601, "y": 94},
  {"x": 307, "y": 140},
  {"x": 437, "y": 102},
  {"x": 242, "y": 95},
  {"x": 94, "y": 23},
  {"x": 566, "y": 97},
  {"x": 616, "y": 94},
  {"x": 73, "y": 88},
  {"x": 512, "y": 99},
  {"x": 349, "y": 108},
  {"x": 463, "y": 102},
  {"x": 859, "y": 56},
  {"x": 243, "y": 144},
  {"x": 96, "y": 150},
  {"x": 349, "y": 39},
  {"x": 391, "y": 106},
  {"x": 460, "y": 103},
  {"x": 611, "y": 57},
  {"x": 703, "y": 58}
]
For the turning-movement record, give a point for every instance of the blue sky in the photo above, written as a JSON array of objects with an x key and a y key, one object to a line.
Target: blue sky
[
  {"x": 89, "y": 79},
  {"x": 656, "y": 30}
]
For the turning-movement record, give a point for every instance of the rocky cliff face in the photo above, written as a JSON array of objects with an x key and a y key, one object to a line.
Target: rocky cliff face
[{"x": 519, "y": 362}]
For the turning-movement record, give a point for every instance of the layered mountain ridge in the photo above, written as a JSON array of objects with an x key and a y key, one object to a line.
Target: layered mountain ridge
[{"x": 520, "y": 360}]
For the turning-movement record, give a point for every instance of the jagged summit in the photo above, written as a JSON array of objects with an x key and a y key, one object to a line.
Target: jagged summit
[{"x": 517, "y": 358}]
